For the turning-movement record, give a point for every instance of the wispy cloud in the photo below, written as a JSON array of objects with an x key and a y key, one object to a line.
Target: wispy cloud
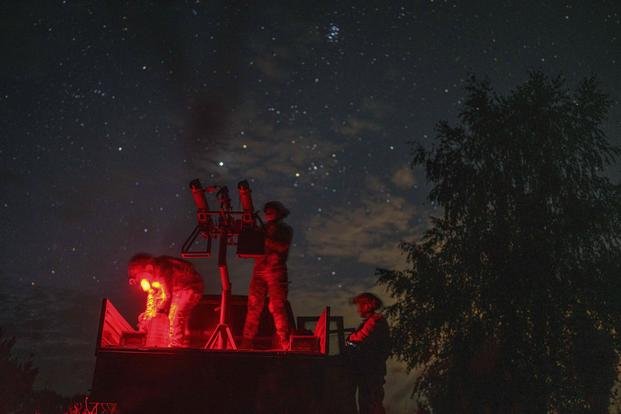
[
  {"x": 369, "y": 232},
  {"x": 261, "y": 147},
  {"x": 403, "y": 178},
  {"x": 356, "y": 126}
]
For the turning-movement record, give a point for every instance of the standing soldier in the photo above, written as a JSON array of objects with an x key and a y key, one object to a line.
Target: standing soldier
[
  {"x": 369, "y": 347},
  {"x": 269, "y": 277},
  {"x": 179, "y": 288}
]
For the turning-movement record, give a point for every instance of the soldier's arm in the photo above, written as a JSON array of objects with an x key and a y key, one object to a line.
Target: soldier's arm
[
  {"x": 365, "y": 331},
  {"x": 165, "y": 298},
  {"x": 278, "y": 238},
  {"x": 142, "y": 322},
  {"x": 166, "y": 269}
]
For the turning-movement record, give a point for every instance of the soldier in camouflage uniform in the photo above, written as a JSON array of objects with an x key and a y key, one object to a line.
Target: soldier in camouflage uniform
[
  {"x": 269, "y": 277},
  {"x": 368, "y": 347},
  {"x": 180, "y": 285}
]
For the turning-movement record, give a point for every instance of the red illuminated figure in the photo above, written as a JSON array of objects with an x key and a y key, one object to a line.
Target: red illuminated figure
[
  {"x": 173, "y": 288},
  {"x": 369, "y": 347},
  {"x": 156, "y": 299},
  {"x": 269, "y": 277}
]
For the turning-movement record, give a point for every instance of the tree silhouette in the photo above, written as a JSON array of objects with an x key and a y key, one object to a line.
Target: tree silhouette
[
  {"x": 17, "y": 395},
  {"x": 510, "y": 301},
  {"x": 16, "y": 379}
]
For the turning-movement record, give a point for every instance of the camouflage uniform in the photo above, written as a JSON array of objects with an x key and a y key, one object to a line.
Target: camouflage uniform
[
  {"x": 269, "y": 278},
  {"x": 182, "y": 287},
  {"x": 371, "y": 342}
]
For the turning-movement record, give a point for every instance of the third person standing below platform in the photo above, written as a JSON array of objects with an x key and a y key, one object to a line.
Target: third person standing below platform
[{"x": 368, "y": 348}]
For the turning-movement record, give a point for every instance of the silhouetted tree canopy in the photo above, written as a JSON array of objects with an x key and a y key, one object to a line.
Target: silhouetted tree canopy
[
  {"x": 511, "y": 301},
  {"x": 17, "y": 395},
  {"x": 16, "y": 379}
]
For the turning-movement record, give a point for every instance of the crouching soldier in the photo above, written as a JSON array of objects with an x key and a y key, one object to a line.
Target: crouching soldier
[
  {"x": 369, "y": 347},
  {"x": 174, "y": 288}
]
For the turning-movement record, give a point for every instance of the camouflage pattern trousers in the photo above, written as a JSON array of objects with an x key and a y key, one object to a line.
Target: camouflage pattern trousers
[
  {"x": 183, "y": 301},
  {"x": 370, "y": 393},
  {"x": 275, "y": 284}
]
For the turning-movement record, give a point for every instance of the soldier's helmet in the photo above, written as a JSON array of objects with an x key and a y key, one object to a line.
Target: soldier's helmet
[
  {"x": 278, "y": 206},
  {"x": 370, "y": 298},
  {"x": 137, "y": 264}
]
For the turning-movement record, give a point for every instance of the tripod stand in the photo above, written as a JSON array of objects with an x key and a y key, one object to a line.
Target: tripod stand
[{"x": 222, "y": 337}]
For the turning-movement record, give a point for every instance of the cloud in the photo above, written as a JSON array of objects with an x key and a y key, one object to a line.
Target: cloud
[
  {"x": 403, "y": 178},
  {"x": 260, "y": 147},
  {"x": 369, "y": 233},
  {"x": 355, "y": 126},
  {"x": 376, "y": 107},
  {"x": 269, "y": 67}
]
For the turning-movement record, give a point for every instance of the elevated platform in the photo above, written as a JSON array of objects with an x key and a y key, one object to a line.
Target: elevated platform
[
  {"x": 204, "y": 381},
  {"x": 143, "y": 379}
]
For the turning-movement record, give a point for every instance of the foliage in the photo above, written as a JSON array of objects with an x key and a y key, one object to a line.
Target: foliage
[
  {"x": 81, "y": 405},
  {"x": 510, "y": 302},
  {"x": 48, "y": 402},
  {"x": 16, "y": 378},
  {"x": 16, "y": 385}
]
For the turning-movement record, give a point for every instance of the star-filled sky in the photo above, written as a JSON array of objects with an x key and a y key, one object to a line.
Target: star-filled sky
[{"x": 110, "y": 108}]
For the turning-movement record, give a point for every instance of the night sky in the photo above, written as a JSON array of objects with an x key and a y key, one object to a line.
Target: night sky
[{"x": 110, "y": 108}]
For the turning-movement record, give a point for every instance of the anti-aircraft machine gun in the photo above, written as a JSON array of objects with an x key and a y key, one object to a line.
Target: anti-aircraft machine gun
[{"x": 229, "y": 230}]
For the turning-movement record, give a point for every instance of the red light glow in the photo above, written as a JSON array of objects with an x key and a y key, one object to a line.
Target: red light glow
[{"x": 145, "y": 285}]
